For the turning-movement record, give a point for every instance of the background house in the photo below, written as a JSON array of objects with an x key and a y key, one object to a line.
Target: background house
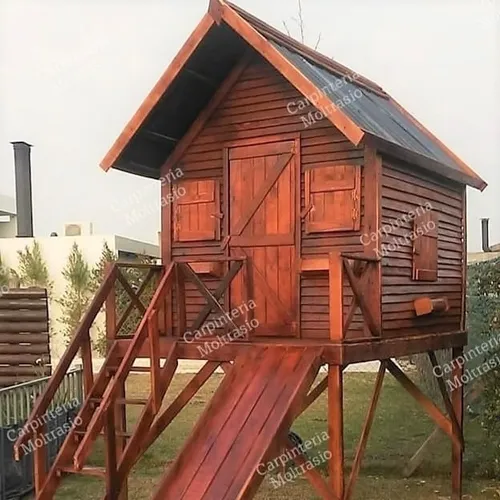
[
  {"x": 16, "y": 234},
  {"x": 8, "y": 224},
  {"x": 489, "y": 252}
]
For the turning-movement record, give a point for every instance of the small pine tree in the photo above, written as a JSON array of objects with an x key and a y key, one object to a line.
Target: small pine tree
[
  {"x": 4, "y": 274},
  {"x": 99, "y": 270},
  {"x": 98, "y": 274},
  {"x": 78, "y": 292},
  {"x": 33, "y": 270}
]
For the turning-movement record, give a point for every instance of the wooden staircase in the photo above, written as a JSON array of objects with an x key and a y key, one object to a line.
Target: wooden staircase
[
  {"x": 103, "y": 410},
  {"x": 98, "y": 415}
]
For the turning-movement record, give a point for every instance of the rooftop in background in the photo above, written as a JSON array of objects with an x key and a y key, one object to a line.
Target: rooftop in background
[
  {"x": 7, "y": 205},
  {"x": 223, "y": 38}
]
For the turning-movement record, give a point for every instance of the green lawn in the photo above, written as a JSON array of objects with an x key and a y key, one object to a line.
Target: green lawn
[{"x": 399, "y": 429}]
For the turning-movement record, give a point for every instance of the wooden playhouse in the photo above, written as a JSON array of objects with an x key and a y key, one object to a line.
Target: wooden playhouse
[{"x": 307, "y": 219}]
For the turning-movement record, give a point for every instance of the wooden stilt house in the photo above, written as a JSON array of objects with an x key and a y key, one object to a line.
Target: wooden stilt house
[{"x": 307, "y": 220}]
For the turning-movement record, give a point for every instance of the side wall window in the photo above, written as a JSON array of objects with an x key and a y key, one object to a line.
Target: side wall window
[
  {"x": 196, "y": 213},
  {"x": 333, "y": 198},
  {"x": 425, "y": 247}
]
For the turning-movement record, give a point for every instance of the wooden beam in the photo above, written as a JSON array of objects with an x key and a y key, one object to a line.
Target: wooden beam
[
  {"x": 336, "y": 292},
  {"x": 313, "y": 475},
  {"x": 132, "y": 304},
  {"x": 313, "y": 395},
  {"x": 446, "y": 399},
  {"x": 202, "y": 78},
  {"x": 164, "y": 419},
  {"x": 198, "y": 125},
  {"x": 223, "y": 286},
  {"x": 293, "y": 75},
  {"x": 159, "y": 137},
  {"x": 112, "y": 487},
  {"x": 214, "y": 9},
  {"x": 158, "y": 90},
  {"x": 417, "y": 459},
  {"x": 40, "y": 460},
  {"x": 425, "y": 402},
  {"x": 457, "y": 454},
  {"x": 372, "y": 222},
  {"x": 146, "y": 418},
  {"x": 314, "y": 264},
  {"x": 336, "y": 430},
  {"x": 361, "y": 300},
  {"x": 365, "y": 434},
  {"x": 131, "y": 293}
]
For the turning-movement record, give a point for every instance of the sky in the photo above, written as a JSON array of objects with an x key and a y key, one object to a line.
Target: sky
[{"x": 72, "y": 73}]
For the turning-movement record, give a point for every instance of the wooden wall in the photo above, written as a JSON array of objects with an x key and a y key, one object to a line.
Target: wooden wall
[
  {"x": 24, "y": 336},
  {"x": 256, "y": 107},
  {"x": 402, "y": 191}
]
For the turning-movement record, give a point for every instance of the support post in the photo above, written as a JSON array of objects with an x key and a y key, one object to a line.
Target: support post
[
  {"x": 336, "y": 430},
  {"x": 457, "y": 399},
  {"x": 40, "y": 460},
  {"x": 119, "y": 412},
  {"x": 336, "y": 297}
]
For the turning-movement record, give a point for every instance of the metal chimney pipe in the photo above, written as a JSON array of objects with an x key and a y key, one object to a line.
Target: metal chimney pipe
[
  {"x": 24, "y": 201},
  {"x": 485, "y": 235}
]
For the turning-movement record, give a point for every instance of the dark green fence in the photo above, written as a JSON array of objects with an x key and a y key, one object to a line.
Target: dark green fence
[{"x": 16, "y": 403}]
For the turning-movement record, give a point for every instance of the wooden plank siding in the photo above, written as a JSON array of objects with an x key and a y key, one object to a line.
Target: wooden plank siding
[
  {"x": 24, "y": 336},
  {"x": 401, "y": 193},
  {"x": 255, "y": 110}
]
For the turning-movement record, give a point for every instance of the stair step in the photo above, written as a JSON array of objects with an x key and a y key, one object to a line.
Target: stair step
[
  {"x": 135, "y": 369},
  {"x": 86, "y": 471},
  {"x": 118, "y": 434},
  {"x": 122, "y": 401},
  {"x": 140, "y": 369}
]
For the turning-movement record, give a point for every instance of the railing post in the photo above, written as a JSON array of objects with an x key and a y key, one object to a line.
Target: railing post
[
  {"x": 116, "y": 417},
  {"x": 88, "y": 371},
  {"x": 336, "y": 296},
  {"x": 110, "y": 309},
  {"x": 180, "y": 290},
  {"x": 39, "y": 459},
  {"x": 154, "y": 346}
]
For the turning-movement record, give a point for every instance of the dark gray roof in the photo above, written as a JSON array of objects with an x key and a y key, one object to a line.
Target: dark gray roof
[{"x": 373, "y": 113}]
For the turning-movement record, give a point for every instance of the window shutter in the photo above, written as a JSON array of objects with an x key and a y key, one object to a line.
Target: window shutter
[
  {"x": 333, "y": 200},
  {"x": 196, "y": 211},
  {"x": 425, "y": 247}
]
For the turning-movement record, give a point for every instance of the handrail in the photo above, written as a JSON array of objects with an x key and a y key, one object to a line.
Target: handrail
[
  {"x": 81, "y": 334},
  {"x": 126, "y": 364}
]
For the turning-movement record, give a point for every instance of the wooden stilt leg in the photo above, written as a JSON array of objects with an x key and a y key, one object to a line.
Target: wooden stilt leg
[
  {"x": 336, "y": 430},
  {"x": 110, "y": 451},
  {"x": 457, "y": 398},
  {"x": 121, "y": 442},
  {"x": 365, "y": 434}
]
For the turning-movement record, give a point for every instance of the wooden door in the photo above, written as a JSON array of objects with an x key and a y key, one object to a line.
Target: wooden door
[{"x": 262, "y": 195}]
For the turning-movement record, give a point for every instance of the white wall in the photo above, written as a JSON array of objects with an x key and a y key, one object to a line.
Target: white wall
[
  {"x": 8, "y": 229},
  {"x": 55, "y": 251}
]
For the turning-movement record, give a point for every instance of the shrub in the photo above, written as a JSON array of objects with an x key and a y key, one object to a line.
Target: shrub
[
  {"x": 33, "y": 270},
  {"x": 77, "y": 294},
  {"x": 483, "y": 308}
]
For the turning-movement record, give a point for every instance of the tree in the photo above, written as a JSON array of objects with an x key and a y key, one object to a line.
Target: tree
[
  {"x": 299, "y": 21},
  {"x": 33, "y": 270},
  {"x": 4, "y": 274},
  {"x": 483, "y": 321},
  {"x": 78, "y": 292}
]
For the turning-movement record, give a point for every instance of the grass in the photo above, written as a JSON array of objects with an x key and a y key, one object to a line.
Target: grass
[{"x": 399, "y": 429}]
